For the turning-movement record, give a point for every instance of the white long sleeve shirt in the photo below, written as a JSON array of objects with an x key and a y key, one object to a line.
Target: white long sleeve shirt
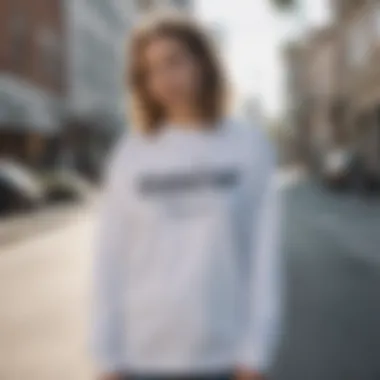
[{"x": 187, "y": 276}]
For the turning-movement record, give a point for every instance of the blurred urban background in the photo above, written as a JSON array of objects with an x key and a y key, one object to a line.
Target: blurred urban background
[
  {"x": 333, "y": 95},
  {"x": 315, "y": 87}
]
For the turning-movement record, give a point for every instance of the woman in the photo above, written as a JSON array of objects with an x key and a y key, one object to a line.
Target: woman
[{"x": 186, "y": 278}]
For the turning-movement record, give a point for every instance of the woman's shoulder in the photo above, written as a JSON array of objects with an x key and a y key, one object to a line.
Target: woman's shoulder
[
  {"x": 127, "y": 144},
  {"x": 250, "y": 135},
  {"x": 123, "y": 152}
]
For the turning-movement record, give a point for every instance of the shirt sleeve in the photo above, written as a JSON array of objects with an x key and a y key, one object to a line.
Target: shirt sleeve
[
  {"x": 260, "y": 340},
  {"x": 108, "y": 332}
]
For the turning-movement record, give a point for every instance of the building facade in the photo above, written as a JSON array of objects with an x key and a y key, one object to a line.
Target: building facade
[
  {"x": 321, "y": 76},
  {"x": 334, "y": 86},
  {"x": 96, "y": 32},
  {"x": 297, "y": 99},
  {"x": 95, "y": 102},
  {"x": 359, "y": 25},
  {"x": 61, "y": 69},
  {"x": 143, "y": 7},
  {"x": 32, "y": 76}
]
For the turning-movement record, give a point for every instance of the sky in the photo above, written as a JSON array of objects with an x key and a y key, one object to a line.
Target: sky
[{"x": 251, "y": 35}]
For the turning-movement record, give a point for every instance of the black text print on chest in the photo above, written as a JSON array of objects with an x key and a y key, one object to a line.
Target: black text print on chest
[{"x": 177, "y": 183}]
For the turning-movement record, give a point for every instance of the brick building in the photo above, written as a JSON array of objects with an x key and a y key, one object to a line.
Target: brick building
[
  {"x": 321, "y": 61},
  {"x": 359, "y": 26},
  {"x": 61, "y": 64},
  {"x": 297, "y": 99},
  {"x": 32, "y": 75}
]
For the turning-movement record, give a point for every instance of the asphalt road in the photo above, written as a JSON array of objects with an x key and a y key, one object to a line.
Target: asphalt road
[
  {"x": 332, "y": 250},
  {"x": 332, "y": 324}
]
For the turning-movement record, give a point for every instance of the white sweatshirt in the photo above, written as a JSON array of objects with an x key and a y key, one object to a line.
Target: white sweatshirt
[{"x": 187, "y": 275}]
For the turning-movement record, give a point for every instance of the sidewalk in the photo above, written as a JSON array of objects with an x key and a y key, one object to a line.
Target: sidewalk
[{"x": 21, "y": 227}]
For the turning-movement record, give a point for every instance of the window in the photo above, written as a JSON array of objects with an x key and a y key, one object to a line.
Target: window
[
  {"x": 98, "y": 64},
  {"x": 359, "y": 42},
  {"x": 377, "y": 18},
  {"x": 18, "y": 35},
  {"x": 50, "y": 53},
  {"x": 181, "y": 4},
  {"x": 107, "y": 11},
  {"x": 145, "y": 5}
]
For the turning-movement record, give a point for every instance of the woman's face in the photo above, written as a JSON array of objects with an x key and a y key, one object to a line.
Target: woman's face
[{"x": 172, "y": 73}]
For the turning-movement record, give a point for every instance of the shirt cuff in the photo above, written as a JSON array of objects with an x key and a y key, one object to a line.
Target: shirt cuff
[
  {"x": 115, "y": 365},
  {"x": 255, "y": 359}
]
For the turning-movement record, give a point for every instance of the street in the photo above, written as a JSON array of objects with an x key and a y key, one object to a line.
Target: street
[
  {"x": 333, "y": 278},
  {"x": 332, "y": 328}
]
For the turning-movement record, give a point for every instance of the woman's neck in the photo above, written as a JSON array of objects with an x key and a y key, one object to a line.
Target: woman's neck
[{"x": 185, "y": 118}]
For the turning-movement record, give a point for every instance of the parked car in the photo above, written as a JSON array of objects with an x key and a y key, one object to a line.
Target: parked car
[
  {"x": 20, "y": 190},
  {"x": 364, "y": 179},
  {"x": 62, "y": 186},
  {"x": 336, "y": 169},
  {"x": 370, "y": 181}
]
